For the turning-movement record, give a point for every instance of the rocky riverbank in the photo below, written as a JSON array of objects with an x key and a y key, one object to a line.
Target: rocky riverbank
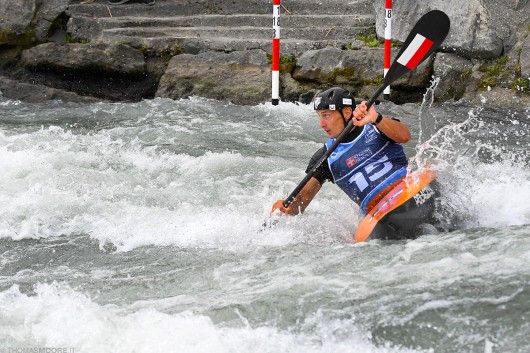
[{"x": 89, "y": 50}]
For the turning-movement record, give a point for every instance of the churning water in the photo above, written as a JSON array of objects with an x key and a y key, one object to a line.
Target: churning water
[{"x": 138, "y": 228}]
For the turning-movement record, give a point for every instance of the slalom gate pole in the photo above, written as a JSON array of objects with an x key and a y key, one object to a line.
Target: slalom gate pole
[
  {"x": 388, "y": 43},
  {"x": 276, "y": 52}
]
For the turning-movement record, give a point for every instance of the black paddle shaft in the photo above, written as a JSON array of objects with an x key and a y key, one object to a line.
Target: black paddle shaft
[{"x": 434, "y": 26}]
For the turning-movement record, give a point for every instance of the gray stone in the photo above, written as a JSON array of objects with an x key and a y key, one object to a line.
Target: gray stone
[
  {"x": 116, "y": 58},
  {"x": 524, "y": 59},
  {"x": 46, "y": 13},
  {"x": 227, "y": 7},
  {"x": 417, "y": 78},
  {"x": 499, "y": 97},
  {"x": 294, "y": 91},
  {"x": 473, "y": 33},
  {"x": 332, "y": 65},
  {"x": 314, "y": 33},
  {"x": 11, "y": 89},
  {"x": 240, "y": 77},
  {"x": 16, "y": 16},
  {"x": 354, "y": 68},
  {"x": 454, "y": 73},
  {"x": 519, "y": 4},
  {"x": 33, "y": 18}
]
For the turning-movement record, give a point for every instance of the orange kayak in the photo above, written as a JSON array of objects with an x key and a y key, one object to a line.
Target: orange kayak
[{"x": 412, "y": 184}]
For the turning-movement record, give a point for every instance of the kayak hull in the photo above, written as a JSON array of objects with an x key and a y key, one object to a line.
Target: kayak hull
[{"x": 412, "y": 185}]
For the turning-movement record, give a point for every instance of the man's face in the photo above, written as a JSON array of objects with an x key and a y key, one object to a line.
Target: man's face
[{"x": 331, "y": 121}]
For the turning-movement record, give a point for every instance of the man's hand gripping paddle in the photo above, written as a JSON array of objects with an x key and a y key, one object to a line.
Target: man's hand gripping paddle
[{"x": 425, "y": 38}]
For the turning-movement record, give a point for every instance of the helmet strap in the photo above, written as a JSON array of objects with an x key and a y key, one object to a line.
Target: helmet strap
[{"x": 344, "y": 119}]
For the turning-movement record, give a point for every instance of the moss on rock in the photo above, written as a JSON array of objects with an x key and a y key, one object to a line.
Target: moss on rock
[{"x": 11, "y": 38}]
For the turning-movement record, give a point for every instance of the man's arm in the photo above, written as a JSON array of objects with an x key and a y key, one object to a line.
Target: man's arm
[
  {"x": 393, "y": 129},
  {"x": 301, "y": 201}
]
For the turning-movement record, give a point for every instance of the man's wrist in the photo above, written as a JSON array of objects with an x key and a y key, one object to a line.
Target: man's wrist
[{"x": 378, "y": 119}]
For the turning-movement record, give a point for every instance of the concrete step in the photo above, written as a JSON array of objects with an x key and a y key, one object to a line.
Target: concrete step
[
  {"x": 195, "y": 45},
  {"x": 162, "y": 8},
  {"x": 225, "y": 25},
  {"x": 304, "y": 27},
  {"x": 315, "y": 34},
  {"x": 292, "y": 21}
]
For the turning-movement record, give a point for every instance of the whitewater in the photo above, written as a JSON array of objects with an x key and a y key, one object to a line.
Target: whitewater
[{"x": 139, "y": 227}]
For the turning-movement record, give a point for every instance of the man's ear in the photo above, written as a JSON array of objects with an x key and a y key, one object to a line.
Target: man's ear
[{"x": 347, "y": 112}]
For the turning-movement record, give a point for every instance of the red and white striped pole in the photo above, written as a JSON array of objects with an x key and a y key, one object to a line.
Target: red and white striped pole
[
  {"x": 388, "y": 43},
  {"x": 276, "y": 52}
]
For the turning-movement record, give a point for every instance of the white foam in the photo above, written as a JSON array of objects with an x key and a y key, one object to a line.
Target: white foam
[
  {"x": 122, "y": 184},
  {"x": 117, "y": 190},
  {"x": 57, "y": 316},
  {"x": 485, "y": 180}
]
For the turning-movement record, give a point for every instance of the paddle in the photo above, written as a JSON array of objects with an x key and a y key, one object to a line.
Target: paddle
[{"x": 426, "y": 36}]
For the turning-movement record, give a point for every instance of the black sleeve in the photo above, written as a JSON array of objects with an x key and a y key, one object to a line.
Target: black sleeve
[{"x": 323, "y": 173}]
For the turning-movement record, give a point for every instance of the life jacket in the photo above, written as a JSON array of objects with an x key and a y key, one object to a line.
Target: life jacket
[{"x": 366, "y": 166}]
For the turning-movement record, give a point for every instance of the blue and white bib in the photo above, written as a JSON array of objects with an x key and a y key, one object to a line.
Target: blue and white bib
[{"x": 365, "y": 166}]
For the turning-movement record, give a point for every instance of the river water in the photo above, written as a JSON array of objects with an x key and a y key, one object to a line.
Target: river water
[{"x": 138, "y": 227}]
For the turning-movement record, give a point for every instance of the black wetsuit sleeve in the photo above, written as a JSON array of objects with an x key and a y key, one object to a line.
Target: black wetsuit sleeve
[{"x": 323, "y": 173}]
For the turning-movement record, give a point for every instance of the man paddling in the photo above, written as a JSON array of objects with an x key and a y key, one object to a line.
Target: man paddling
[{"x": 366, "y": 165}]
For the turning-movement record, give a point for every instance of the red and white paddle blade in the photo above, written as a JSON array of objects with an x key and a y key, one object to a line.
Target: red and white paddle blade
[{"x": 427, "y": 35}]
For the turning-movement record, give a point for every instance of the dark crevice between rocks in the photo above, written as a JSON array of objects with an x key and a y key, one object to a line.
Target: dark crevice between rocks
[
  {"x": 9, "y": 57},
  {"x": 95, "y": 83},
  {"x": 58, "y": 29},
  {"x": 407, "y": 96}
]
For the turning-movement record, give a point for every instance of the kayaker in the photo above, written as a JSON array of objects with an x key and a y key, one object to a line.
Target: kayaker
[{"x": 366, "y": 165}]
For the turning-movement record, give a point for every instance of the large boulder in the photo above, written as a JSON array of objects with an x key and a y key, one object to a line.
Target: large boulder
[
  {"x": 15, "y": 18},
  {"x": 116, "y": 58},
  {"x": 336, "y": 66},
  {"x": 242, "y": 77},
  {"x": 453, "y": 72},
  {"x": 474, "y": 32},
  {"x": 47, "y": 12},
  {"x": 296, "y": 91},
  {"x": 24, "y": 21},
  {"x": 354, "y": 68},
  {"x": 39, "y": 93}
]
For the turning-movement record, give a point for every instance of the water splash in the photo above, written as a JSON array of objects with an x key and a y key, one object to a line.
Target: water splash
[
  {"x": 482, "y": 166},
  {"x": 427, "y": 119}
]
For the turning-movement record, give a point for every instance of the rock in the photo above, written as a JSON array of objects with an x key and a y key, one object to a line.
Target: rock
[
  {"x": 194, "y": 37},
  {"x": 15, "y": 17},
  {"x": 47, "y": 12},
  {"x": 117, "y": 58},
  {"x": 336, "y": 66},
  {"x": 24, "y": 21},
  {"x": 417, "y": 78},
  {"x": 454, "y": 72},
  {"x": 524, "y": 59},
  {"x": 509, "y": 19},
  {"x": 355, "y": 69},
  {"x": 519, "y": 4},
  {"x": 294, "y": 91},
  {"x": 474, "y": 33},
  {"x": 113, "y": 72},
  {"x": 499, "y": 97},
  {"x": 241, "y": 77},
  {"x": 11, "y": 89}
]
